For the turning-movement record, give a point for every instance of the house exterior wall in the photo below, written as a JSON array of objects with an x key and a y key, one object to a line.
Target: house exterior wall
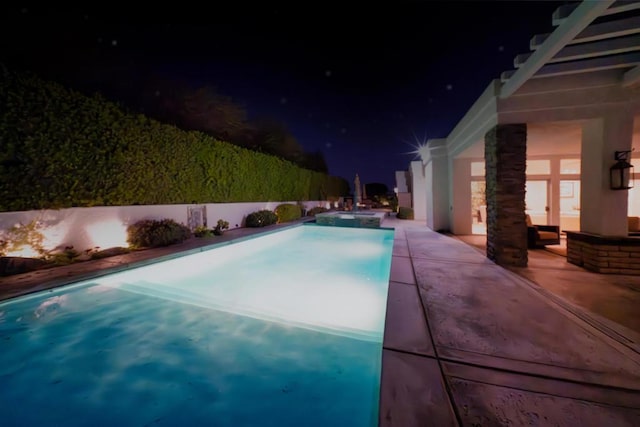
[
  {"x": 600, "y": 102},
  {"x": 436, "y": 186},
  {"x": 441, "y": 189},
  {"x": 461, "y": 206},
  {"x": 604, "y": 211},
  {"x": 419, "y": 196},
  {"x": 428, "y": 194},
  {"x": 404, "y": 200}
]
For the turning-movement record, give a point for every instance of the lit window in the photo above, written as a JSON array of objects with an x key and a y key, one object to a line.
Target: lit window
[
  {"x": 538, "y": 167},
  {"x": 569, "y": 166},
  {"x": 477, "y": 168}
]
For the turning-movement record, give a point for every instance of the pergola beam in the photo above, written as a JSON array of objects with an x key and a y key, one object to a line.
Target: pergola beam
[
  {"x": 622, "y": 6},
  {"x": 564, "y": 11},
  {"x": 631, "y": 77},
  {"x": 611, "y": 29},
  {"x": 588, "y": 50},
  {"x": 599, "y": 48},
  {"x": 581, "y": 17},
  {"x": 592, "y": 64},
  {"x": 604, "y": 30}
]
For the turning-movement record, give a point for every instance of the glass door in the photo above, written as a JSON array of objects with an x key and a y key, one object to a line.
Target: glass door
[
  {"x": 570, "y": 205},
  {"x": 478, "y": 208},
  {"x": 537, "y": 201}
]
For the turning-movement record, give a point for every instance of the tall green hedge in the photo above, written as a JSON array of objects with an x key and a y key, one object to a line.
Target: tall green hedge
[{"x": 60, "y": 149}]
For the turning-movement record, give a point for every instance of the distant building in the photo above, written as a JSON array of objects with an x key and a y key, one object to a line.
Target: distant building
[
  {"x": 403, "y": 188},
  {"x": 406, "y": 181}
]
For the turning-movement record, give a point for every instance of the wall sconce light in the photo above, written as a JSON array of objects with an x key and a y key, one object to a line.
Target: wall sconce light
[{"x": 621, "y": 172}]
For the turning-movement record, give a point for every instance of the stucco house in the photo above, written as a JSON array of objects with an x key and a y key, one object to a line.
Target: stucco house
[{"x": 547, "y": 139}]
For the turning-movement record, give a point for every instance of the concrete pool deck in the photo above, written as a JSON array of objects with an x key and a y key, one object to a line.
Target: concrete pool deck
[{"x": 468, "y": 342}]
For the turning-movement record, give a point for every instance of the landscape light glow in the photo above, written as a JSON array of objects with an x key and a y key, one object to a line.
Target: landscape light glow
[
  {"x": 24, "y": 252},
  {"x": 54, "y": 235},
  {"x": 108, "y": 234}
]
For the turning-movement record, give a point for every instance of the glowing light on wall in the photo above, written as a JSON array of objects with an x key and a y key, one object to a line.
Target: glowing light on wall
[
  {"x": 54, "y": 235},
  {"x": 24, "y": 252},
  {"x": 23, "y": 240},
  {"x": 108, "y": 234}
]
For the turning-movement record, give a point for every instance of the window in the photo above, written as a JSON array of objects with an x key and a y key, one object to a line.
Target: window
[
  {"x": 477, "y": 168},
  {"x": 569, "y": 166},
  {"x": 538, "y": 167}
]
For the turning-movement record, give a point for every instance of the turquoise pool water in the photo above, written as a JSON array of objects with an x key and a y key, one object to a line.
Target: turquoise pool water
[{"x": 279, "y": 330}]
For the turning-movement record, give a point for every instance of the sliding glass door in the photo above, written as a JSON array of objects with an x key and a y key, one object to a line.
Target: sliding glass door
[{"x": 537, "y": 201}]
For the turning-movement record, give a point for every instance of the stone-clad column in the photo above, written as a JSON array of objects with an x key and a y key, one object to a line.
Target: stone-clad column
[{"x": 505, "y": 156}]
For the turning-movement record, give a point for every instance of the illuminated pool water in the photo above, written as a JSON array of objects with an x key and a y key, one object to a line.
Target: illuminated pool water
[{"x": 279, "y": 330}]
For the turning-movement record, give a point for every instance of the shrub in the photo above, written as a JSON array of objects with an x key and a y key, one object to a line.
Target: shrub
[
  {"x": 287, "y": 212},
  {"x": 220, "y": 227},
  {"x": 316, "y": 210},
  {"x": 91, "y": 152},
  {"x": 261, "y": 218},
  {"x": 67, "y": 256},
  {"x": 151, "y": 233},
  {"x": 393, "y": 203},
  {"x": 404, "y": 213},
  {"x": 202, "y": 231},
  {"x": 105, "y": 253}
]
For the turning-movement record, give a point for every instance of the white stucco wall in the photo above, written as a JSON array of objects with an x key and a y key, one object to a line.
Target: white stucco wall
[
  {"x": 603, "y": 211},
  {"x": 436, "y": 185},
  {"x": 419, "y": 195},
  {"x": 105, "y": 226},
  {"x": 401, "y": 182},
  {"x": 461, "y": 212}
]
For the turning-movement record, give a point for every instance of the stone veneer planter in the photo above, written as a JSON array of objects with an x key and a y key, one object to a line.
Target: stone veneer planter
[{"x": 609, "y": 255}]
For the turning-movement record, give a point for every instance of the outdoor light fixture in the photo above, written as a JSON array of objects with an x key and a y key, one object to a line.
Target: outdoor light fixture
[{"x": 621, "y": 172}]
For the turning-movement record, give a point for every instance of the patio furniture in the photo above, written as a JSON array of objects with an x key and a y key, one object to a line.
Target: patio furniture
[{"x": 541, "y": 235}]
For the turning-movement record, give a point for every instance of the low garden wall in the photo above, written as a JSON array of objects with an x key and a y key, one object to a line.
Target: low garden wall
[{"x": 105, "y": 226}]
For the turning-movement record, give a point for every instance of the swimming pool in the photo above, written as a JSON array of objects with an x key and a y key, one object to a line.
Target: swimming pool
[{"x": 281, "y": 329}]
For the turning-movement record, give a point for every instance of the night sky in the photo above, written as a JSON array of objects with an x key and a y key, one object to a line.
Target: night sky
[{"x": 363, "y": 82}]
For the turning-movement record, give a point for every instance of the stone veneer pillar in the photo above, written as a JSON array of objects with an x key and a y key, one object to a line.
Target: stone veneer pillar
[{"x": 505, "y": 156}]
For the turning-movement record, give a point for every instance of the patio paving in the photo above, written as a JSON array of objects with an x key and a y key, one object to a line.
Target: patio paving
[{"x": 470, "y": 343}]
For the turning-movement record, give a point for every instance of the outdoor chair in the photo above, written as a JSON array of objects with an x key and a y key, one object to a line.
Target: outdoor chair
[
  {"x": 541, "y": 235},
  {"x": 634, "y": 225}
]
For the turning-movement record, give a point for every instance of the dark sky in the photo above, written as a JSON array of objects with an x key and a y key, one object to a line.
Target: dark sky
[{"x": 360, "y": 81}]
